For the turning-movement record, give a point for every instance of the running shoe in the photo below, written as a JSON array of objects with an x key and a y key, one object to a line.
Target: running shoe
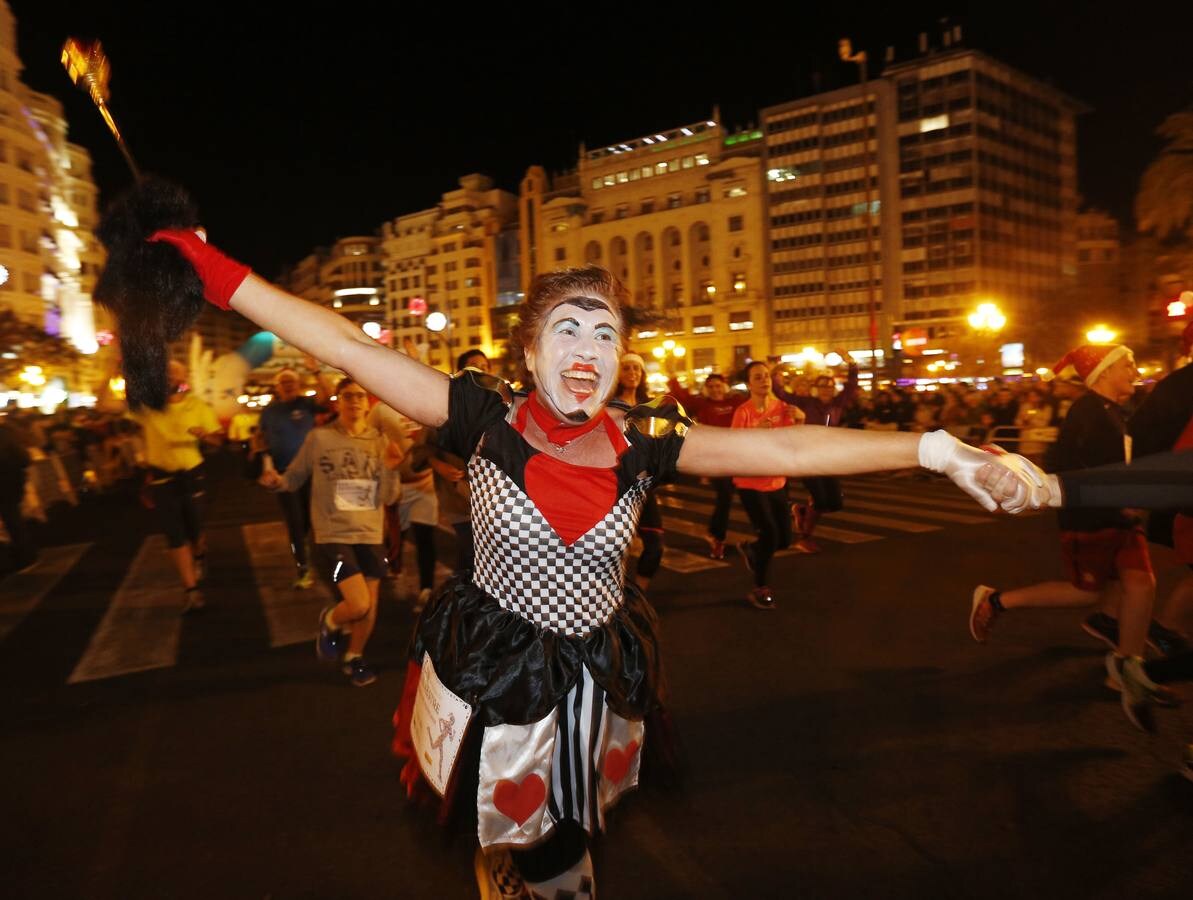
[
  {"x": 358, "y": 672},
  {"x": 497, "y": 877},
  {"x": 761, "y": 598},
  {"x": 1103, "y": 628},
  {"x": 1140, "y": 695},
  {"x": 746, "y": 549},
  {"x": 329, "y": 643},
  {"x": 806, "y": 545},
  {"x": 716, "y": 547},
  {"x": 1161, "y": 695},
  {"x": 1165, "y": 641},
  {"x": 192, "y": 601},
  {"x": 982, "y": 613},
  {"x": 305, "y": 578}
]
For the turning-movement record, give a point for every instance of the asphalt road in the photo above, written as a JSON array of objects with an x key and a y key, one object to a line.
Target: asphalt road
[{"x": 854, "y": 742}]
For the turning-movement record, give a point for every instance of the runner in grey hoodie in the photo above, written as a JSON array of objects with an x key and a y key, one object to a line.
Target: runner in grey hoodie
[{"x": 350, "y": 467}]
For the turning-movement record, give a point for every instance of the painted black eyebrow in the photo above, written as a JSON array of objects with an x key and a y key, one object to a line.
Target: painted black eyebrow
[{"x": 588, "y": 304}]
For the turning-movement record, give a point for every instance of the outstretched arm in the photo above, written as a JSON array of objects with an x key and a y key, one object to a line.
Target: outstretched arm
[
  {"x": 413, "y": 389},
  {"x": 800, "y": 452}
]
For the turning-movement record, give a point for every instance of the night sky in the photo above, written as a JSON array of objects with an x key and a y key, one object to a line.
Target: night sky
[{"x": 292, "y": 130}]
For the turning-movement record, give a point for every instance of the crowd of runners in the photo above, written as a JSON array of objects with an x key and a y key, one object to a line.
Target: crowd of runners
[{"x": 354, "y": 475}]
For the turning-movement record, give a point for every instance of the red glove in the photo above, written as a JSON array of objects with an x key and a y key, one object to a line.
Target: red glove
[{"x": 221, "y": 275}]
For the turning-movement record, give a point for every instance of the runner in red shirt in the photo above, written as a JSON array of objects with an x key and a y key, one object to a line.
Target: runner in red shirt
[
  {"x": 765, "y": 498},
  {"x": 714, "y": 407}
]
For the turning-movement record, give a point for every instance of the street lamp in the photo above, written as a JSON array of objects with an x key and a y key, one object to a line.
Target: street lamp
[
  {"x": 987, "y": 318},
  {"x": 845, "y": 51},
  {"x": 1100, "y": 334}
]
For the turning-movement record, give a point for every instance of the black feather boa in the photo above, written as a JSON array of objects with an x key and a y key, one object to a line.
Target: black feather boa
[{"x": 152, "y": 291}]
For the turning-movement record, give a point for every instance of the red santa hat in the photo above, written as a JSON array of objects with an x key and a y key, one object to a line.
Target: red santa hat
[{"x": 1089, "y": 361}]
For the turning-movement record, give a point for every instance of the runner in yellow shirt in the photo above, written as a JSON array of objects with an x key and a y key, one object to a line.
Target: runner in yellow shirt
[{"x": 172, "y": 454}]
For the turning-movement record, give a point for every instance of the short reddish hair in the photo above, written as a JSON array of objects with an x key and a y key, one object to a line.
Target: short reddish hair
[{"x": 550, "y": 288}]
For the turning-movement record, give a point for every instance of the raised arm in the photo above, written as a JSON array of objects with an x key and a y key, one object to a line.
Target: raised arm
[{"x": 407, "y": 385}]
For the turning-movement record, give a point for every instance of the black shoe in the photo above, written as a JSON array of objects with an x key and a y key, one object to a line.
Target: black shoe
[
  {"x": 1165, "y": 641},
  {"x": 746, "y": 549},
  {"x": 1103, "y": 628}
]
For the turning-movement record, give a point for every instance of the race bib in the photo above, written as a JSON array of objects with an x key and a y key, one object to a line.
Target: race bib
[
  {"x": 437, "y": 727},
  {"x": 356, "y": 494}
]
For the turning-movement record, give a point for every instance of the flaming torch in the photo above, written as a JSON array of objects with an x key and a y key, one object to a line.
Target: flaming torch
[{"x": 88, "y": 68}]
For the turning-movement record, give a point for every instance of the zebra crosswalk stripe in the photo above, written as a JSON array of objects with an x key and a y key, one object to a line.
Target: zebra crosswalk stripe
[
  {"x": 141, "y": 628},
  {"x": 290, "y": 614},
  {"x": 22, "y": 591}
]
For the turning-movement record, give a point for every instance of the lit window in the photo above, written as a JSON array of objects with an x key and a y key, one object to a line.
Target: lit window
[
  {"x": 688, "y": 162},
  {"x": 735, "y": 191},
  {"x": 660, "y": 168},
  {"x": 740, "y": 321},
  {"x": 597, "y": 184},
  {"x": 702, "y": 159},
  {"x": 647, "y": 171},
  {"x": 610, "y": 180},
  {"x": 623, "y": 177},
  {"x": 935, "y": 123}
]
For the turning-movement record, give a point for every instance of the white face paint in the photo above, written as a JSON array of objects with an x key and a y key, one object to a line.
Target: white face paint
[{"x": 575, "y": 360}]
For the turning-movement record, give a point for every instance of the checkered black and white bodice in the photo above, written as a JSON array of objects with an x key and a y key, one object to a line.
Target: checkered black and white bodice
[
  {"x": 527, "y": 568},
  {"x": 569, "y": 587}
]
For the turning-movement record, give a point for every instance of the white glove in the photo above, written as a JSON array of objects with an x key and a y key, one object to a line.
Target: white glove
[
  {"x": 940, "y": 452},
  {"x": 1002, "y": 478}
]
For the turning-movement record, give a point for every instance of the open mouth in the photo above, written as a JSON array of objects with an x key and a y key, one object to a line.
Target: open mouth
[{"x": 581, "y": 382}]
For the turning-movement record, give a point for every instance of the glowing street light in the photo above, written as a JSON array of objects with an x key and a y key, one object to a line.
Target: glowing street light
[
  {"x": 32, "y": 375},
  {"x": 1100, "y": 334},
  {"x": 987, "y": 317},
  {"x": 669, "y": 348}
]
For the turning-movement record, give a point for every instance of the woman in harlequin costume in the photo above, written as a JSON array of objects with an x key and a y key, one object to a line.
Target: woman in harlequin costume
[{"x": 535, "y": 686}]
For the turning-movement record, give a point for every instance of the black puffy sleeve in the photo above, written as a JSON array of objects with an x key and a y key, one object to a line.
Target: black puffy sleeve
[
  {"x": 475, "y": 402},
  {"x": 656, "y": 429}
]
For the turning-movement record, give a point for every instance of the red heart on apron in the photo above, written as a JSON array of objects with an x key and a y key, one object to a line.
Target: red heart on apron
[
  {"x": 617, "y": 761},
  {"x": 519, "y": 801}
]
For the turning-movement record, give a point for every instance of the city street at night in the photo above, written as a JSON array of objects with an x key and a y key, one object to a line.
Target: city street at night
[
  {"x": 494, "y": 452},
  {"x": 853, "y": 742}
]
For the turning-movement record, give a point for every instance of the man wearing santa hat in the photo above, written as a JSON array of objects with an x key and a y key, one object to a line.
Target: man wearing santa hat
[{"x": 1098, "y": 545}]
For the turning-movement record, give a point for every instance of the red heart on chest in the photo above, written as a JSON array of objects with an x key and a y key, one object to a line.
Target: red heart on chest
[
  {"x": 617, "y": 761},
  {"x": 519, "y": 801},
  {"x": 571, "y": 498}
]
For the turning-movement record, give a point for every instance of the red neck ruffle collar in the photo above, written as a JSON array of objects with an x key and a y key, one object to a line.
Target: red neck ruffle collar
[{"x": 559, "y": 433}]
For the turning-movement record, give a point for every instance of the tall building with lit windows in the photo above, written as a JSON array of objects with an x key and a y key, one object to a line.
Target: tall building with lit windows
[
  {"x": 962, "y": 169},
  {"x": 831, "y": 183},
  {"x": 987, "y": 198},
  {"x": 453, "y": 259},
  {"x": 678, "y": 217},
  {"x": 48, "y": 250}
]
